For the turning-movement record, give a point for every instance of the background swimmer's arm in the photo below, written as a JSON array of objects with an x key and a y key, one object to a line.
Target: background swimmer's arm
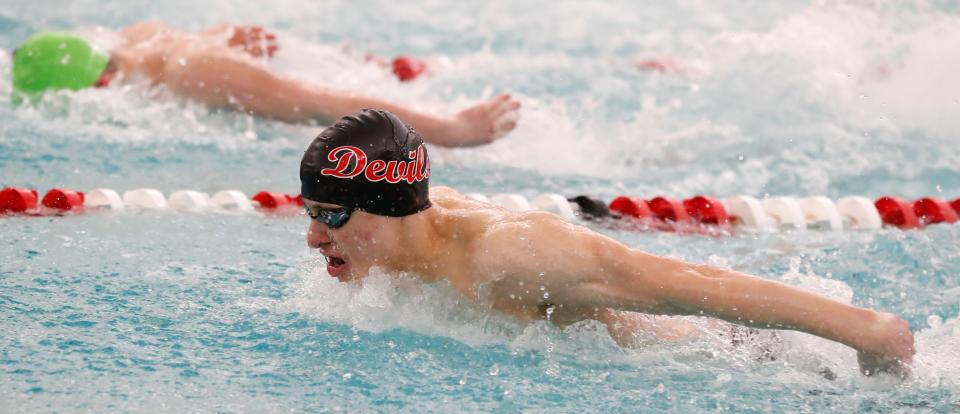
[
  {"x": 219, "y": 77},
  {"x": 588, "y": 270}
]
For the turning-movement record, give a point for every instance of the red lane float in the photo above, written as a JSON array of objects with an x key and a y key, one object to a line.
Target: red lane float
[
  {"x": 17, "y": 200},
  {"x": 707, "y": 210},
  {"x": 932, "y": 210},
  {"x": 896, "y": 211},
  {"x": 408, "y": 68},
  {"x": 63, "y": 199},
  {"x": 956, "y": 206},
  {"x": 668, "y": 209},
  {"x": 270, "y": 201},
  {"x": 631, "y": 207}
]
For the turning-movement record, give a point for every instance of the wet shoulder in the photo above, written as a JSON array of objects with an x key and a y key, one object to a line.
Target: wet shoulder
[{"x": 493, "y": 217}]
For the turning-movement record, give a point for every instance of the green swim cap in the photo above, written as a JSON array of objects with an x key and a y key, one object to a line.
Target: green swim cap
[{"x": 54, "y": 60}]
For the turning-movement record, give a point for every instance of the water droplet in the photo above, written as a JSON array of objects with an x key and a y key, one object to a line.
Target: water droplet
[
  {"x": 741, "y": 158},
  {"x": 546, "y": 295},
  {"x": 65, "y": 59},
  {"x": 661, "y": 388},
  {"x": 182, "y": 62},
  {"x": 494, "y": 370},
  {"x": 934, "y": 321}
]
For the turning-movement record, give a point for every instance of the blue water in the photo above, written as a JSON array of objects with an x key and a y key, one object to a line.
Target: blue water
[{"x": 232, "y": 313}]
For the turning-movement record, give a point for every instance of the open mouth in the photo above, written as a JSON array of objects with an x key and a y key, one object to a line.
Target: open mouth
[{"x": 336, "y": 266}]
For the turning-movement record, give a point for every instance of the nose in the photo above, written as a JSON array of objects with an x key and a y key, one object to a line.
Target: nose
[{"x": 317, "y": 234}]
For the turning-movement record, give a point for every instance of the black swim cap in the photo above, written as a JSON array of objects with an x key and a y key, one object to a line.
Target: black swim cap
[{"x": 370, "y": 161}]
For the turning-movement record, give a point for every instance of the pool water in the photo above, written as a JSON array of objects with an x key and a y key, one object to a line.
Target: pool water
[{"x": 162, "y": 311}]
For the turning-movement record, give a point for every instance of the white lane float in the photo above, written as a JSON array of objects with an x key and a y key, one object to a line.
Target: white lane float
[
  {"x": 145, "y": 198},
  {"x": 859, "y": 213},
  {"x": 511, "y": 202},
  {"x": 231, "y": 200},
  {"x": 821, "y": 213},
  {"x": 189, "y": 200},
  {"x": 554, "y": 203},
  {"x": 786, "y": 211},
  {"x": 479, "y": 197},
  {"x": 103, "y": 198},
  {"x": 749, "y": 212}
]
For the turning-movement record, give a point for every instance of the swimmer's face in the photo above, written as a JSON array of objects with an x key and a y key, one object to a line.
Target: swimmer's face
[{"x": 361, "y": 242}]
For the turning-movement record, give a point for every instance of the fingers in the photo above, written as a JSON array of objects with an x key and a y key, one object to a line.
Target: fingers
[
  {"x": 503, "y": 112},
  {"x": 503, "y": 108},
  {"x": 505, "y": 123},
  {"x": 500, "y": 105},
  {"x": 254, "y": 40}
]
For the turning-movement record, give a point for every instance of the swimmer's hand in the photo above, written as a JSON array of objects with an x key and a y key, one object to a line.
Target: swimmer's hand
[
  {"x": 890, "y": 347},
  {"x": 252, "y": 39},
  {"x": 481, "y": 124}
]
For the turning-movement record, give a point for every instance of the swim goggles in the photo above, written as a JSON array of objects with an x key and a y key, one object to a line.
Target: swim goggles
[{"x": 333, "y": 218}]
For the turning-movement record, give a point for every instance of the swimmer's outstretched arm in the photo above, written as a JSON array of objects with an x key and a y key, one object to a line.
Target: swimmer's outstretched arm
[
  {"x": 589, "y": 272},
  {"x": 220, "y": 77}
]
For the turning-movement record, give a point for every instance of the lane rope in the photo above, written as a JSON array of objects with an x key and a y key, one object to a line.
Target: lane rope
[{"x": 698, "y": 214}]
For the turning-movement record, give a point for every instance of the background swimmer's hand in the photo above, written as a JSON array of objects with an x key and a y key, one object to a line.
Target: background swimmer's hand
[
  {"x": 254, "y": 40},
  {"x": 662, "y": 65},
  {"x": 890, "y": 349},
  {"x": 482, "y": 123}
]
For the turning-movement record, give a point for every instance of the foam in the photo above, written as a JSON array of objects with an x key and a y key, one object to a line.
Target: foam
[{"x": 383, "y": 302}]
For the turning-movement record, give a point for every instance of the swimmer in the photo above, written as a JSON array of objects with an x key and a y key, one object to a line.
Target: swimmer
[
  {"x": 224, "y": 67},
  {"x": 364, "y": 183}
]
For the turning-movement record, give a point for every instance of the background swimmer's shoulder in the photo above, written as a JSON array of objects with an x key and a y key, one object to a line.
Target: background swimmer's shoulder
[
  {"x": 102, "y": 38},
  {"x": 143, "y": 31}
]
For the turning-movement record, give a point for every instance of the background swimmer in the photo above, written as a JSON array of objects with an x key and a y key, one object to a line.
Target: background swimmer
[
  {"x": 365, "y": 184},
  {"x": 221, "y": 67}
]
